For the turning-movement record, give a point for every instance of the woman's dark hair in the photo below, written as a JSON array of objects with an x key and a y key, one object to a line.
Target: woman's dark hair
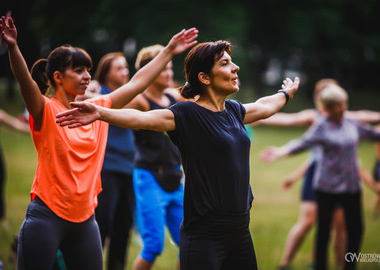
[
  {"x": 104, "y": 66},
  {"x": 201, "y": 59},
  {"x": 60, "y": 59}
]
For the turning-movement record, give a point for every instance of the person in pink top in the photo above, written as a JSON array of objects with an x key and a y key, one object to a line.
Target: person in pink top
[{"x": 67, "y": 180}]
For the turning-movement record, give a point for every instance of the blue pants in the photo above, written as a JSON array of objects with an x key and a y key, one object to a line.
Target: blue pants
[
  {"x": 156, "y": 208},
  {"x": 43, "y": 233}
]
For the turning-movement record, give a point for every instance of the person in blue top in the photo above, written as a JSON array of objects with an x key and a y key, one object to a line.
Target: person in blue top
[
  {"x": 115, "y": 210},
  {"x": 214, "y": 148}
]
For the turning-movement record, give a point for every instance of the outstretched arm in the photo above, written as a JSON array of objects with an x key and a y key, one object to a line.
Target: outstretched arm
[
  {"x": 146, "y": 75},
  {"x": 31, "y": 94},
  {"x": 303, "y": 118},
  {"x": 269, "y": 105},
  {"x": 13, "y": 122},
  {"x": 85, "y": 113}
]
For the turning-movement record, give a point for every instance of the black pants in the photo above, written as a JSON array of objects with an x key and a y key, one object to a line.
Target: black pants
[
  {"x": 352, "y": 207},
  {"x": 218, "y": 244},
  {"x": 114, "y": 215},
  {"x": 43, "y": 233}
]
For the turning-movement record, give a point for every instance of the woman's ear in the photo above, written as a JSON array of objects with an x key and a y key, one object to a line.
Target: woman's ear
[
  {"x": 204, "y": 78},
  {"x": 57, "y": 77}
]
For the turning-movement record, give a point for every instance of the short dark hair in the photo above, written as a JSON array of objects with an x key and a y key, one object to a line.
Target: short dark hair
[
  {"x": 201, "y": 59},
  {"x": 60, "y": 59}
]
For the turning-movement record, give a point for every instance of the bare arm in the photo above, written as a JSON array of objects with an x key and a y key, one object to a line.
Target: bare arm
[
  {"x": 269, "y": 105},
  {"x": 31, "y": 94},
  {"x": 280, "y": 119},
  {"x": 13, "y": 122},
  {"x": 85, "y": 113},
  {"x": 297, "y": 174},
  {"x": 364, "y": 116},
  {"x": 146, "y": 75}
]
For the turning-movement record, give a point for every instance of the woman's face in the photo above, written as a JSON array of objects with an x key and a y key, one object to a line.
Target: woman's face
[
  {"x": 165, "y": 79},
  {"x": 336, "y": 111},
  {"x": 76, "y": 80},
  {"x": 118, "y": 74},
  {"x": 224, "y": 76}
]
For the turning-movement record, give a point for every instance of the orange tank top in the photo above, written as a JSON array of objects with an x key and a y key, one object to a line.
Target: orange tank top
[{"x": 67, "y": 178}]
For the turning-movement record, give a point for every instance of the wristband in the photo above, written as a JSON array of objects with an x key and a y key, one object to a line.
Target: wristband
[{"x": 285, "y": 93}]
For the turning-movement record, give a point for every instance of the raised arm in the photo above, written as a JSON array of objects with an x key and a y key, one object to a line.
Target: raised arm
[
  {"x": 85, "y": 113},
  {"x": 146, "y": 75},
  {"x": 269, "y": 105},
  {"x": 31, "y": 94}
]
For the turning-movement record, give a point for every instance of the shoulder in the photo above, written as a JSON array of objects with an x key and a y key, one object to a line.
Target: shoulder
[
  {"x": 236, "y": 106},
  {"x": 183, "y": 106}
]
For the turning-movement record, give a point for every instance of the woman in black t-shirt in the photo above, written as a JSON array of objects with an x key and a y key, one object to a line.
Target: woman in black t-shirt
[{"x": 214, "y": 148}]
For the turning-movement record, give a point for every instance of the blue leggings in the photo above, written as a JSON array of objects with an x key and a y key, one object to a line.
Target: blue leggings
[
  {"x": 43, "y": 233},
  {"x": 155, "y": 209}
]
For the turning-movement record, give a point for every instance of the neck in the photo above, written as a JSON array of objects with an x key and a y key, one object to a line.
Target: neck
[
  {"x": 155, "y": 92},
  {"x": 212, "y": 101},
  {"x": 111, "y": 86},
  {"x": 63, "y": 97}
]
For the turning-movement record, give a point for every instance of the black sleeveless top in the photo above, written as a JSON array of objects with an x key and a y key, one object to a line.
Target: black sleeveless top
[
  {"x": 155, "y": 149},
  {"x": 215, "y": 149}
]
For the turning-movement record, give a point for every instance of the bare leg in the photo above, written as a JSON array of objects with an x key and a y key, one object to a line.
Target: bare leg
[
  {"x": 141, "y": 264},
  {"x": 339, "y": 236},
  {"x": 308, "y": 212}
]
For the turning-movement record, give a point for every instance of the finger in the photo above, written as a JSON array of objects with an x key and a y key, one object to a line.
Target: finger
[
  {"x": 64, "y": 119},
  {"x": 10, "y": 22},
  {"x": 75, "y": 125},
  {"x": 68, "y": 123},
  {"x": 77, "y": 105},
  {"x": 66, "y": 113}
]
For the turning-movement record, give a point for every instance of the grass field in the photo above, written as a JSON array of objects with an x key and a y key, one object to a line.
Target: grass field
[{"x": 273, "y": 213}]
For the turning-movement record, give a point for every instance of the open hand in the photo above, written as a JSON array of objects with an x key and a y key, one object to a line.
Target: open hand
[
  {"x": 291, "y": 87},
  {"x": 8, "y": 30},
  {"x": 183, "y": 40},
  {"x": 84, "y": 113}
]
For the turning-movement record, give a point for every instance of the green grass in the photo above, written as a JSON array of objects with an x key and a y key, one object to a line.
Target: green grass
[{"x": 273, "y": 213}]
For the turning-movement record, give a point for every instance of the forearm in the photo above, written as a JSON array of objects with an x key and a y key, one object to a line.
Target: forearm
[
  {"x": 157, "y": 120},
  {"x": 264, "y": 107},
  {"x": 126, "y": 118},
  {"x": 141, "y": 80},
  {"x": 28, "y": 87},
  {"x": 364, "y": 116}
]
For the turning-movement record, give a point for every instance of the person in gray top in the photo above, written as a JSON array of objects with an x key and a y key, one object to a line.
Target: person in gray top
[{"x": 337, "y": 175}]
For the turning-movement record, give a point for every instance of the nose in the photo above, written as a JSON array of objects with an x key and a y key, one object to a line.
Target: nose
[
  {"x": 87, "y": 75},
  {"x": 236, "y": 68}
]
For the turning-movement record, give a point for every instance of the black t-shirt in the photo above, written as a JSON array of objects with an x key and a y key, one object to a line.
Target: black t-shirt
[
  {"x": 215, "y": 149},
  {"x": 153, "y": 148}
]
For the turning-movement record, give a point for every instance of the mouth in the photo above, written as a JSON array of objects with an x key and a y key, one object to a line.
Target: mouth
[{"x": 235, "y": 80}]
